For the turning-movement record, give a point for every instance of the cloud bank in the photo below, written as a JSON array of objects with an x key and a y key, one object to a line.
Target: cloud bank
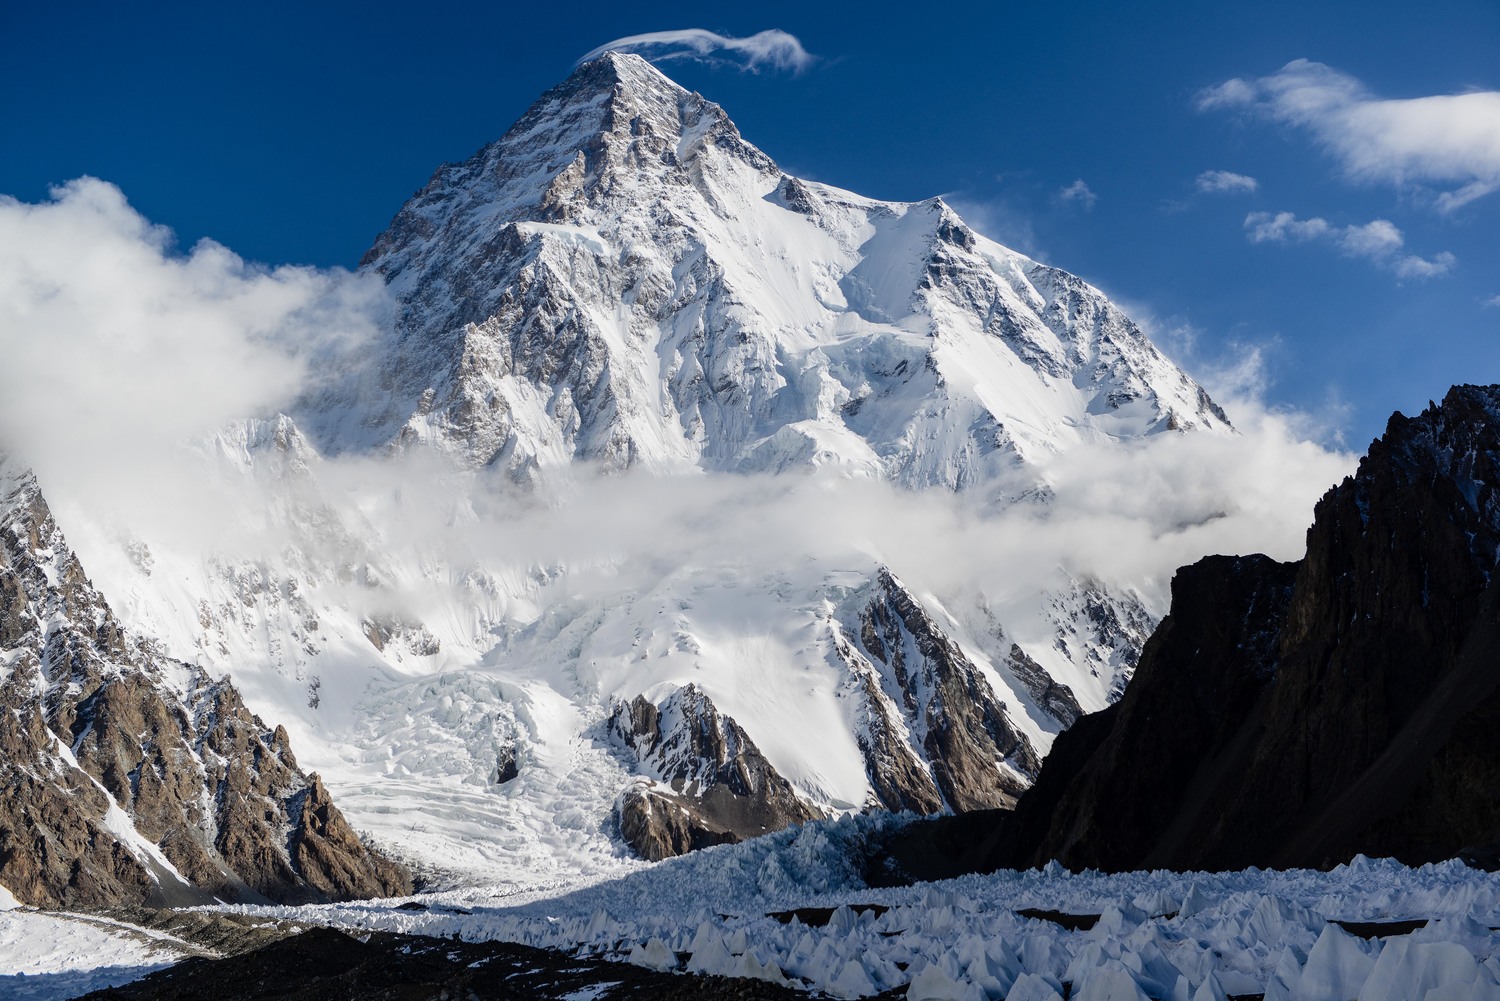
[
  {"x": 770, "y": 49},
  {"x": 1379, "y": 242},
  {"x": 114, "y": 348},
  {"x": 1450, "y": 142},
  {"x": 117, "y": 349}
]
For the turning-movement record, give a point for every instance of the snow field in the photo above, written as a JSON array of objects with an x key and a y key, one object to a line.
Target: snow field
[
  {"x": 49, "y": 957},
  {"x": 1184, "y": 937}
]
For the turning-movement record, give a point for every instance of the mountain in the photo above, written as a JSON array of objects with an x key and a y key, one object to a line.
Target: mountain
[
  {"x": 623, "y": 278},
  {"x": 1294, "y": 714},
  {"x": 622, "y": 305},
  {"x": 130, "y": 777}
]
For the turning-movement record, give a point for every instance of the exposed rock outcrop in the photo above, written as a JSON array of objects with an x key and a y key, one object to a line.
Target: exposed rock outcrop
[
  {"x": 1293, "y": 715},
  {"x": 706, "y": 781},
  {"x": 130, "y": 778},
  {"x": 978, "y": 758},
  {"x": 1052, "y": 695}
]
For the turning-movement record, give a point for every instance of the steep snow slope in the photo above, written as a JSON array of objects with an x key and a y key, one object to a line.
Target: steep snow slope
[{"x": 623, "y": 283}]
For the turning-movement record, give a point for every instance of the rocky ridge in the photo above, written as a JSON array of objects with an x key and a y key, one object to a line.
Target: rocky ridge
[
  {"x": 1289, "y": 715},
  {"x": 132, "y": 778},
  {"x": 707, "y": 783}
]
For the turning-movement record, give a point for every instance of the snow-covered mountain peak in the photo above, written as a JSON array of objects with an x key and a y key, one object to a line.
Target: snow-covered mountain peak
[{"x": 622, "y": 278}]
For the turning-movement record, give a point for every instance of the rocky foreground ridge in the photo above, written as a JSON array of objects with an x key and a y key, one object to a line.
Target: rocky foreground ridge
[
  {"x": 1295, "y": 714},
  {"x": 127, "y": 777}
]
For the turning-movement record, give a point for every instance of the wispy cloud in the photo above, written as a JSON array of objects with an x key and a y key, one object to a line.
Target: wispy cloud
[
  {"x": 1079, "y": 192},
  {"x": 1378, "y": 241},
  {"x": 1450, "y": 142},
  {"x": 770, "y": 49},
  {"x": 1493, "y": 302},
  {"x": 1226, "y": 181},
  {"x": 1000, "y": 218}
]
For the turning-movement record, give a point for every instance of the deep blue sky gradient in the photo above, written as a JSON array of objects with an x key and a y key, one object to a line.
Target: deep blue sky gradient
[{"x": 293, "y": 133}]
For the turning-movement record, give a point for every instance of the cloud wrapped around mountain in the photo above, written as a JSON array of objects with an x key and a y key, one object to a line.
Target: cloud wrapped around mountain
[
  {"x": 1450, "y": 142},
  {"x": 1378, "y": 241},
  {"x": 115, "y": 347},
  {"x": 773, "y": 48}
]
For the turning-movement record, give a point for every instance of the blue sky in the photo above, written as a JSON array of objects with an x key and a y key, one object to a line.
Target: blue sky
[{"x": 1362, "y": 264}]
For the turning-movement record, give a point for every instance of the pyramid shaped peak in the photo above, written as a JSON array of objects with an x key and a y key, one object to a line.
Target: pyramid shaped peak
[{"x": 625, "y": 70}]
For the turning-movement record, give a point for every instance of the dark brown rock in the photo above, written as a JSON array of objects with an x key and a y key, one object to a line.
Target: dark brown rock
[
  {"x": 1293, "y": 715},
  {"x": 950, "y": 708},
  {"x": 710, "y": 783},
  {"x": 1055, "y": 698},
  {"x": 104, "y": 762}
]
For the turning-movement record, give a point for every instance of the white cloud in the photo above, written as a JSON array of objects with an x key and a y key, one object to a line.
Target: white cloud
[
  {"x": 1217, "y": 181},
  {"x": 773, "y": 48},
  {"x": 1229, "y": 94},
  {"x": 1450, "y": 141},
  {"x": 1493, "y": 302},
  {"x": 1079, "y": 192},
  {"x": 1378, "y": 241},
  {"x": 1421, "y": 268},
  {"x": 115, "y": 348},
  {"x": 1263, "y": 227}
]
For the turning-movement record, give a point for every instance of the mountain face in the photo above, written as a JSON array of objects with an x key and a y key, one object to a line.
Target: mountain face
[
  {"x": 623, "y": 278},
  {"x": 1288, "y": 715},
  {"x": 622, "y": 286},
  {"x": 130, "y": 777}
]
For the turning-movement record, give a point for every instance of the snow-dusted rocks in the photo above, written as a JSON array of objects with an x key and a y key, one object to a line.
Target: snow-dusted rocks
[
  {"x": 130, "y": 777},
  {"x": 711, "y": 785},
  {"x": 946, "y": 705}
]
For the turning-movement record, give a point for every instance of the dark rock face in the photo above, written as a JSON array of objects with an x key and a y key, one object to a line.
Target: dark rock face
[
  {"x": 1106, "y": 794},
  {"x": 1293, "y": 715},
  {"x": 1052, "y": 695},
  {"x": 950, "y": 709},
  {"x": 119, "y": 766},
  {"x": 710, "y": 783}
]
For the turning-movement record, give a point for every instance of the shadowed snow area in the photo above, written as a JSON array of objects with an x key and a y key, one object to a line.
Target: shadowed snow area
[{"x": 49, "y": 957}]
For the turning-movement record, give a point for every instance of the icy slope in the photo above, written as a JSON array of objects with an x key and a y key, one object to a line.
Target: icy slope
[{"x": 133, "y": 778}]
